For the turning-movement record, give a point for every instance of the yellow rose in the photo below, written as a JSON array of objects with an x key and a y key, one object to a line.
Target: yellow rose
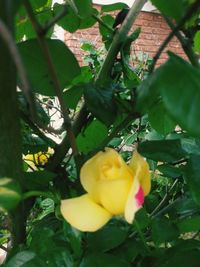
[
  {"x": 113, "y": 188},
  {"x": 38, "y": 159}
]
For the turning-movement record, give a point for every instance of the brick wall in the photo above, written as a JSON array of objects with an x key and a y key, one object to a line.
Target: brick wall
[{"x": 154, "y": 30}]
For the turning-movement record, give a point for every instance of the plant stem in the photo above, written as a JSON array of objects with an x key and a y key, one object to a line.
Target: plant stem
[
  {"x": 157, "y": 208},
  {"x": 4, "y": 248},
  {"x": 102, "y": 76},
  {"x": 8, "y": 39},
  {"x": 116, "y": 130},
  {"x": 52, "y": 22},
  {"x": 36, "y": 194},
  {"x": 186, "y": 44},
  {"x": 36, "y": 130},
  {"x": 52, "y": 71},
  {"x": 10, "y": 134},
  {"x": 118, "y": 41},
  {"x": 141, "y": 235},
  {"x": 97, "y": 18},
  {"x": 187, "y": 15},
  {"x": 168, "y": 207}
]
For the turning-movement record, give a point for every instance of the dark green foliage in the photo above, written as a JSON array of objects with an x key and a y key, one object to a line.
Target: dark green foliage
[
  {"x": 101, "y": 102},
  {"x": 39, "y": 77},
  {"x": 80, "y": 112},
  {"x": 192, "y": 177},
  {"x": 91, "y": 137}
]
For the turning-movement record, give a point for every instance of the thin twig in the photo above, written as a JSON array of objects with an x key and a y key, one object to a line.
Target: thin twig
[
  {"x": 164, "y": 198},
  {"x": 52, "y": 22},
  {"x": 187, "y": 15},
  {"x": 141, "y": 235},
  {"x": 8, "y": 39},
  {"x": 52, "y": 71},
  {"x": 118, "y": 40},
  {"x": 185, "y": 43},
  {"x": 116, "y": 130},
  {"x": 102, "y": 23},
  {"x": 4, "y": 248},
  {"x": 36, "y": 130},
  {"x": 62, "y": 149},
  {"x": 168, "y": 207}
]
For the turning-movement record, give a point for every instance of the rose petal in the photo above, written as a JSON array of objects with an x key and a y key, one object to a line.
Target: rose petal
[
  {"x": 89, "y": 175},
  {"x": 113, "y": 194},
  {"x": 134, "y": 201},
  {"x": 103, "y": 170},
  {"x": 140, "y": 169},
  {"x": 84, "y": 214}
]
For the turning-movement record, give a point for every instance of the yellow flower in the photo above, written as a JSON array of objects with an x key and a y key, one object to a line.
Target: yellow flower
[
  {"x": 113, "y": 188},
  {"x": 38, "y": 159}
]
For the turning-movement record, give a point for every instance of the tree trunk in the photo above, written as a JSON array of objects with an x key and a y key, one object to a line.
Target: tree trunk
[{"x": 10, "y": 137}]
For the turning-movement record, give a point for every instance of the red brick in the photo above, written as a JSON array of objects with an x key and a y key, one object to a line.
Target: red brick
[{"x": 154, "y": 31}]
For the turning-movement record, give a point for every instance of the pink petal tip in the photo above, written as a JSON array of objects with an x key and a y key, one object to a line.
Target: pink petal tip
[{"x": 140, "y": 197}]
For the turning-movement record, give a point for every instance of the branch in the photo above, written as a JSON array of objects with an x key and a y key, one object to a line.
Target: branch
[
  {"x": 118, "y": 41},
  {"x": 164, "y": 199},
  {"x": 187, "y": 15},
  {"x": 186, "y": 44},
  {"x": 8, "y": 39},
  {"x": 128, "y": 120},
  {"x": 52, "y": 22},
  {"x": 62, "y": 149},
  {"x": 36, "y": 130},
  {"x": 97, "y": 18},
  {"x": 168, "y": 207},
  {"x": 52, "y": 71},
  {"x": 4, "y": 248}
]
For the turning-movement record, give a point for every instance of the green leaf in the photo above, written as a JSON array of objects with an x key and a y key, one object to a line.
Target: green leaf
[
  {"x": 131, "y": 79},
  {"x": 197, "y": 42},
  {"x": 169, "y": 171},
  {"x": 130, "y": 249},
  {"x": 163, "y": 230},
  {"x": 38, "y": 3},
  {"x": 16, "y": 5},
  {"x": 162, "y": 150},
  {"x": 70, "y": 22},
  {"x": 54, "y": 252},
  {"x": 160, "y": 119},
  {"x": 101, "y": 103},
  {"x": 130, "y": 39},
  {"x": 89, "y": 21},
  {"x": 92, "y": 136},
  {"x": 181, "y": 97},
  {"x": 113, "y": 7},
  {"x": 189, "y": 224},
  {"x": 191, "y": 145},
  {"x": 107, "y": 35},
  {"x": 186, "y": 206},
  {"x": 24, "y": 26},
  {"x": 62, "y": 58},
  {"x": 192, "y": 175},
  {"x": 184, "y": 254},
  {"x": 84, "y": 7},
  {"x": 142, "y": 218},
  {"x": 183, "y": 259},
  {"x": 72, "y": 96},
  {"x": 171, "y": 8},
  {"x": 147, "y": 94},
  {"x": 25, "y": 259},
  {"x": 38, "y": 180},
  {"x": 10, "y": 193},
  {"x": 106, "y": 239},
  {"x": 103, "y": 260}
]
